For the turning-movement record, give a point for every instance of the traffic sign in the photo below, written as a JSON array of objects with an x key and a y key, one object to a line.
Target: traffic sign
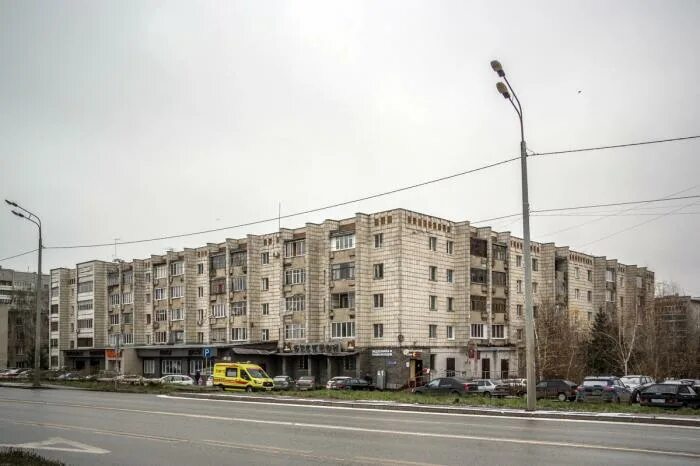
[{"x": 208, "y": 353}]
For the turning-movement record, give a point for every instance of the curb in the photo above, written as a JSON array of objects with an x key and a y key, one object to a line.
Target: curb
[{"x": 630, "y": 418}]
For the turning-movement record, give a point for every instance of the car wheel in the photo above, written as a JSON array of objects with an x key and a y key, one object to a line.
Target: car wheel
[
  {"x": 561, "y": 397},
  {"x": 638, "y": 398},
  {"x": 455, "y": 392},
  {"x": 487, "y": 394},
  {"x": 617, "y": 400},
  {"x": 249, "y": 389}
]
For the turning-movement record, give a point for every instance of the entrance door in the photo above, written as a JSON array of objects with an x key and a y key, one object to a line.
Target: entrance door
[
  {"x": 504, "y": 368},
  {"x": 485, "y": 368},
  {"x": 450, "y": 367}
]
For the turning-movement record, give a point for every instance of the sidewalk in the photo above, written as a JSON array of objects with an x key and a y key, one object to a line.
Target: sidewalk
[{"x": 670, "y": 419}]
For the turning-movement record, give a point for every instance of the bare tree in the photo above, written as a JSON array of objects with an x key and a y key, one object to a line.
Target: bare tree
[{"x": 557, "y": 343}]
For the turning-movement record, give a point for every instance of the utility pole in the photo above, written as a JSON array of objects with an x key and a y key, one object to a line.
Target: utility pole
[
  {"x": 506, "y": 90},
  {"x": 27, "y": 215}
]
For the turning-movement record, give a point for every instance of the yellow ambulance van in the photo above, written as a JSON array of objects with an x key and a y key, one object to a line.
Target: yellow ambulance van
[{"x": 241, "y": 376}]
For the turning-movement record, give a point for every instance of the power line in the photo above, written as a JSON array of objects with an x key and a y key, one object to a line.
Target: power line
[
  {"x": 18, "y": 255},
  {"x": 616, "y": 146},
  {"x": 640, "y": 214}
]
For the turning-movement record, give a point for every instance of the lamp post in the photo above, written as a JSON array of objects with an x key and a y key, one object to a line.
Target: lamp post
[
  {"x": 27, "y": 215},
  {"x": 506, "y": 90}
]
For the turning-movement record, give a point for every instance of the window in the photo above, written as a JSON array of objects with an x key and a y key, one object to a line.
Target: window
[
  {"x": 53, "y": 343},
  {"x": 114, "y": 319},
  {"x": 478, "y": 276},
  {"x": 590, "y": 275},
  {"x": 477, "y": 331},
  {"x": 432, "y": 302},
  {"x": 161, "y": 315},
  {"x": 449, "y": 247},
  {"x": 218, "y": 310},
  {"x": 200, "y": 315},
  {"x": 200, "y": 291},
  {"x": 177, "y": 314},
  {"x": 478, "y": 303},
  {"x": 114, "y": 299},
  {"x": 608, "y": 296},
  {"x": 534, "y": 311},
  {"x": 149, "y": 366},
  {"x": 432, "y": 243},
  {"x": 343, "y": 330},
  {"x": 534, "y": 287},
  {"x": 294, "y": 331},
  {"x": 450, "y": 276},
  {"x": 265, "y": 309},
  {"x": 239, "y": 334},
  {"x": 479, "y": 247},
  {"x": 200, "y": 337},
  {"x": 294, "y": 277},
  {"x": 218, "y": 262},
  {"x": 499, "y": 252},
  {"x": 378, "y": 330},
  {"x": 85, "y": 305},
  {"x": 432, "y": 331},
  {"x": 535, "y": 265},
  {"x": 54, "y": 326},
  {"x": 171, "y": 366},
  {"x": 85, "y": 287},
  {"x": 450, "y": 304},
  {"x": 498, "y": 305},
  {"x": 296, "y": 303},
  {"x": 378, "y": 271},
  {"x": 622, "y": 282},
  {"x": 339, "y": 243},
  {"x": 177, "y": 268},
  {"x": 148, "y": 318},
  {"x": 127, "y": 298},
  {"x": 622, "y": 301},
  {"x": 148, "y": 298},
  {"x": 432, "y": 273},
  {"x": 239, "y": 283},
  {"x": 264, "y": 284},
  {"x": 239, "y": 308},
  {"x": 378, "y": 300},
  {"x": 590, "y": 316},
  {"x": 176, "y": 291},
  {"x": 349, "y": 362},
  {"x": 590, "y": 296},
  {"x": 343, "y": 301},
  {"x": 518, "y": 261},
  {"x": 577, "y": 293},
  {"x": 576, "y": 272},
  {"x": 159, "y": 294},
  {"x": 345, "y": 271},
  {"x": 499, "y": 278},
  {"x": 303, "y": 363},
  {"x": 148, "y": 338},
  {"x": 498, "y": 331},
  {"x": 159, "y": 271},
  {"x": 450, "y": 332},
  {"x": 265, "y": 258},
  {"x": 379, "y": 240},
  {"x": 519, "y": 334},
  {"x": 239, "y": 259},
  {"x": 294, "y": 248},
  {"x": 200, "y": 269},
  {"x": 218, "y": 334},
  {"x": 265, "y": 334},
  {"x": 84, "y": 342},
  {"x": 128, "y": 338},
  {"x": 84, "y": 324},
  {"x": 609, "y": 276},
  {"x": 519, "y": 286}
]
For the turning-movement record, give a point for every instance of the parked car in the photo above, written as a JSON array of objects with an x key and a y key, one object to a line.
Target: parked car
[
  {"x": 283, "y": 382},
  {"x": 306, "y": 382},
  {"x": 129, "y": 379},
  {"x": 636, "y": 398},
  {"x": 448, "y": 386},
  {"x": 634, "y": 381},
  {"x": 176, "y": 380},
  {"x": 12, "y": 373},
  {"x": 337, "y": 383},
  {"x": 69, "y": 376},
  {"x": 603, "y": 388},
  {"x": 670, "y": 395},
  {"x": 560, "y": 389},
  {"x": 358, "y": 384},
  {"x": 510, "y": 387},
  {"x": 486, "y": 386}
]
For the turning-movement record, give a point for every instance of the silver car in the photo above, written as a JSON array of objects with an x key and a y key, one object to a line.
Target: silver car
[{"x": 486, "y": 386}]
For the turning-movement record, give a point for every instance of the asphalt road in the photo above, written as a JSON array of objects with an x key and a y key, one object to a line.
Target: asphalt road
[{"x": 86, "y": 428}]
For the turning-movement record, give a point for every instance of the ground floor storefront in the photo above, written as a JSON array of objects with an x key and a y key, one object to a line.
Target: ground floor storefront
[{"x": 88, "y": 360}]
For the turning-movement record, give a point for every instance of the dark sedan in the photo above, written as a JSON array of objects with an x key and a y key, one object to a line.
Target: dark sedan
[
  {"x": 358, "y": 384},
  {"x": 448, "y": 386},
  {"x": 283, "y": 382},
  {"x": 670, "y": 396},
  {"x": 559, "y": 389},
  {"x": 603, "y": 388}
]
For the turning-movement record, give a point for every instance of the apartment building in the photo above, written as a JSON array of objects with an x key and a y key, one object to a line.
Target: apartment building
[
  {"x": 17, "y": 317},
  {"x": 395, "y": 294}
]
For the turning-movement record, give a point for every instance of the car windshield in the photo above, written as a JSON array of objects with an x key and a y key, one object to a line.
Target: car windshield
[
  {"x": 257, "y": 374},
  {"x": 631, "y": 380},
  {"x": 280, "y": 378},
  {"x": 597, "y": 383}
]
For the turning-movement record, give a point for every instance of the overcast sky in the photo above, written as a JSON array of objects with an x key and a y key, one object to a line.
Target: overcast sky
[{"x": 139, "y": 119}]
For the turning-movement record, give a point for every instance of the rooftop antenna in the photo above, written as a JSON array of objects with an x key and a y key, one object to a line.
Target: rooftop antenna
[{"x": 115, "y": 248}]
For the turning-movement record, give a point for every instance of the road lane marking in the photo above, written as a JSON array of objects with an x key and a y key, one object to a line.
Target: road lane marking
[
  {"x": 385, "y": 431},
  {"x": 50, "y": 444},
  {"x": 627, "y": 425},
  {"x": 96, "y": 431}
]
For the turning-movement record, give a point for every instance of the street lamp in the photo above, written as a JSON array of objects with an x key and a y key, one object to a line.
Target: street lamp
[
  {"x": 506, "y": 90},
  {"x": 27, "y": 215}
]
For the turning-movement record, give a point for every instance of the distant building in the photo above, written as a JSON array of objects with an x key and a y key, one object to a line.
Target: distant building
[
  {"x": 17, "y": 317},
  {"x": 678, "y": 320},
  {"x": 394, "y": 292}
]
